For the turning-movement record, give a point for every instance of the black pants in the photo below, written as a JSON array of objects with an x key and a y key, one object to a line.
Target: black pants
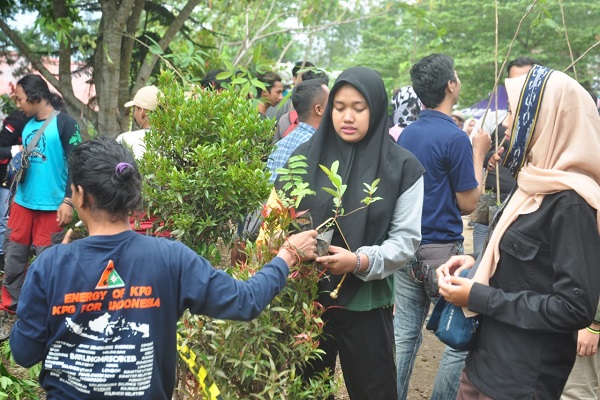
[{"x": 365, "y": 343}]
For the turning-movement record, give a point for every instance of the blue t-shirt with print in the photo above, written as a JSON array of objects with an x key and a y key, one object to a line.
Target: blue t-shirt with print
[
  {"x": 446, "y": 153},
  {"x": 101, "y": 313},
  {"x": 46, "y": 181}
]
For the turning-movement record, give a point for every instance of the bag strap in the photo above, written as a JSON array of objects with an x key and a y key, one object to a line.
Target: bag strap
[{"x": 31, "y": 145}]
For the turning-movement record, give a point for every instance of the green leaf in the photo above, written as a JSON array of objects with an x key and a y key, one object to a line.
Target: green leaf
[
  {"x": 335, "y": 166},
  {"x": 331, "y": 192}
]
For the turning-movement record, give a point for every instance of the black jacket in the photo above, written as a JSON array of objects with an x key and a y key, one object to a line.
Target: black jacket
[
  {"x": 12, "y": 128},
  {"x": 545, "y": 289}
]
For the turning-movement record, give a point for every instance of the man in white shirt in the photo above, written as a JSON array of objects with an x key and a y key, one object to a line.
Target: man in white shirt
[{"x": 145, "y": 100}]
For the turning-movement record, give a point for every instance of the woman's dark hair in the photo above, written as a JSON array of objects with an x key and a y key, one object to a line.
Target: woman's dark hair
[
  {"x": 316, "y": 74},
  {"x": 107, "y": 171},
  {"x": 210, "y": 80},
  {"x": 430, "y": 75},
  {"x": 36, "y": 89},
  {"x": 301, "y": 65}
]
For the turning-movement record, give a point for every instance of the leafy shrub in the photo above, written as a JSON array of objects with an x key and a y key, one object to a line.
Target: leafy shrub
[
  {"x": 204, "y": 163},
  {"x": 263, "y": 358},
  {"x": 205, "y": 170}
]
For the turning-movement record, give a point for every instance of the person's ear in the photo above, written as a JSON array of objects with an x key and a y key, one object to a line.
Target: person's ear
[
  {"x": 77, "y": 196},
  {"x": 451, "y": 86},
  {"x": 319, "y": 110}
]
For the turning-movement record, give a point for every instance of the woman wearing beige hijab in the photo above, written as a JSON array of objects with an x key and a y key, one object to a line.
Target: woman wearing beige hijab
[{"x": 538, "y": 281}]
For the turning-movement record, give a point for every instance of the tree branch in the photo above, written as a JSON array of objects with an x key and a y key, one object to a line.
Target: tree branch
[
  {"x": 247, "y": 43},
  {"x": 562, "y": 13},
  {"x": 581, "y": 56},
  {"x": 311, "y": 29},
  {"x": 148, "y": 65},
  {"x": 499, "y": 73},
  {"x": 39, "y": 66},
  {"x": 123, "y": 12},
  {"x": 127, "y": 44},
  {"x": 285, "y": 50}
]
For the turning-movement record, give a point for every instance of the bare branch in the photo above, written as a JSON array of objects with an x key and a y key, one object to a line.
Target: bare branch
[
  {"x": 248, "y": 42},
  {"x": 499, "y": 73},
  {"x": 562, "y": 13},
  {"x": 285, "y": 50},
  {"x": 312, "y": 29},
  {"x": 175, "y": 26},
  {"x": 583, "y": 55},
  {"x": 498, "y": 201},
  {"x": 38, "y": 65}
]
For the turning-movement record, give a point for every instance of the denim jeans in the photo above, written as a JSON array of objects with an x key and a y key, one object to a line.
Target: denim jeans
[
  {"x": 480, "y": 232},
  {"x": 4, "y": 195},
  {"x": 412, "y": 308}
]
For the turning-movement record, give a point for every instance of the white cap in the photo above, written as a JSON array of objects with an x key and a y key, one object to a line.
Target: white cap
[
  {"x": 146, "y": 98},
  {"x": 458, "y": 115}
]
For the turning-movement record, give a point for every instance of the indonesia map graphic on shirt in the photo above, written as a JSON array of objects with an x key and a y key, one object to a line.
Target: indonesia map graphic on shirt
[
  {"x": 109, "y": 349},
  {"x": 110, "y": 278}
]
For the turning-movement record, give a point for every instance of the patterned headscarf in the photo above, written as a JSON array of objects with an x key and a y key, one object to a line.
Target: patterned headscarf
[
  {"x": 406, "y": 106},
  {"x": 559, "y": 152},
  {"x": 526, "y": 117}
]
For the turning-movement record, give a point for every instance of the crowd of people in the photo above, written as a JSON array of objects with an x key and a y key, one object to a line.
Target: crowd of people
[{"x": 534, "y": 276}]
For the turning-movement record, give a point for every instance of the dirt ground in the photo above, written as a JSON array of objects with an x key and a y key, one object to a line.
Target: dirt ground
[
  {"x": 428, "y": 357},
  {"x": 423, "y": 376}
]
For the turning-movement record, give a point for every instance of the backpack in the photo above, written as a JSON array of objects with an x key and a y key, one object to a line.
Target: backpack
[{"x": 294, "y": 121}]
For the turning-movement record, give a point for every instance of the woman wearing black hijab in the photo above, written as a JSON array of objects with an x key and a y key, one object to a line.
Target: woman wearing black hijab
[{"x": 379, "y": 239}]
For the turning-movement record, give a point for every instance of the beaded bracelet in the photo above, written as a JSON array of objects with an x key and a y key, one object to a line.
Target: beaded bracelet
[
  {"x": 368, "y": 270},
  {"x": 595, "y": 332},
  {"x": 294, "y": 253},
  {"x": 357, "y": 269}
]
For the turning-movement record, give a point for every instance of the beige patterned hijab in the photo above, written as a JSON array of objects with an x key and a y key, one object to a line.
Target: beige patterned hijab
[{"x": 564, "y": 154}]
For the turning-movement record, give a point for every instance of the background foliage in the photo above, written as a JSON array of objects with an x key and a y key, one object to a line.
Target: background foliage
[{"x": 125, "y": 43}]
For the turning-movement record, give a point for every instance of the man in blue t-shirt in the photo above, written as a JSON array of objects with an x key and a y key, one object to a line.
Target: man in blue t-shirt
[
  {"x": 452, "y": 187},
  {"x": 42, "y": 205}
]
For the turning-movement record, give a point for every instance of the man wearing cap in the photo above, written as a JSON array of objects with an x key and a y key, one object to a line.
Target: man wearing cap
[
  {"x": 145, "y": 100},
  {"x": 458, "y": 118}
]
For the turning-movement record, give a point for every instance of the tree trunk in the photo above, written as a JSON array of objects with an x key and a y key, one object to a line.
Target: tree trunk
[
  {"x": 107, "y": 68},
  {"x": 127, "y": 46}
]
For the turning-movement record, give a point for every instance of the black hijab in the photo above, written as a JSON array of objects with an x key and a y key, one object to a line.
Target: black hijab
[{"x": 375, "y": 156}]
